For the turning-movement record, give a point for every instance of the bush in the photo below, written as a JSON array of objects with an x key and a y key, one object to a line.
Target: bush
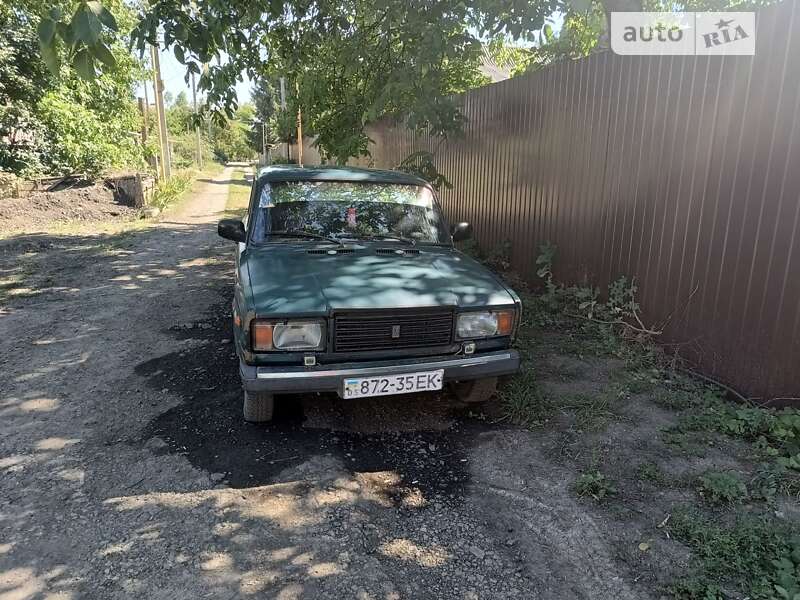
[{"x": 78, "y": 140}]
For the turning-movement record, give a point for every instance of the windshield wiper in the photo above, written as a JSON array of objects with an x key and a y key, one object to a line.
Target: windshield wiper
[
  {"x": 298, "y": 233},
  {"x": 399, "y": 238}
]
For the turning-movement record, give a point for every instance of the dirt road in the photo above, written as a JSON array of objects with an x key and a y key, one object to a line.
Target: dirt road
[{"x": 127, "y": 472}]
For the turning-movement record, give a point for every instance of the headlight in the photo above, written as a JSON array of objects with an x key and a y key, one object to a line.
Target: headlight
[
  {"x": 484, "y": 324},
  {"x": 287, "y": 335}
]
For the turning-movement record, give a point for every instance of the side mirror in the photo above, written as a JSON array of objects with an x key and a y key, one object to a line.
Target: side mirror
[
  {"x": 232, "y": 229},
  {"x": 461, "y": 232}
]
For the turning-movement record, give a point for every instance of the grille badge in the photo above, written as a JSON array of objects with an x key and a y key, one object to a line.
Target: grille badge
[{"x": 395, "y": 331}]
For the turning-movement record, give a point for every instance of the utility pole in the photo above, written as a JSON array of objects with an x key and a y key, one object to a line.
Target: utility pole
[
  {"x": 158, "y": 85},
  {"x": 283, "y": 108},
  {"x": 299, "y": 126},
  {"x": 196, "y": 126}
]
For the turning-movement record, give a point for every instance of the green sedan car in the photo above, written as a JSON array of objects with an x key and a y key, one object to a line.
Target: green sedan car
[{"x": 347, "y": 281}]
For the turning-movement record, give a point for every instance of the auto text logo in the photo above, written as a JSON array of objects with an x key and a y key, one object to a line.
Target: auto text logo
[{"x": 685, "y": 33}]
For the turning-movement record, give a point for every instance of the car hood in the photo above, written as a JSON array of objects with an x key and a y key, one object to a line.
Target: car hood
[{"x": 287, "y": 279}]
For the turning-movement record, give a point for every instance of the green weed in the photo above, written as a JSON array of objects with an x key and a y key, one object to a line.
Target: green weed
[
  {"x": 523, "y": 401},
  {"x": 775, "y": 433},
  {"x": 722, "y": 488},
  {"x": 690, "y": 443},
  {"x": 695, "y": 588},
  {"x": 595, "y": 485},
  {"x": 760, "y": 554},
  {"x": 592, "y": 411}
]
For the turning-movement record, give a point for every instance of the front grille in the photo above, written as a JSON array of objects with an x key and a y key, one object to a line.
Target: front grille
[{"x": 358, "y": 332}]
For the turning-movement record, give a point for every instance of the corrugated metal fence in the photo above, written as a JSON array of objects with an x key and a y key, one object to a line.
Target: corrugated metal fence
[{"x": 683, "y": 172}]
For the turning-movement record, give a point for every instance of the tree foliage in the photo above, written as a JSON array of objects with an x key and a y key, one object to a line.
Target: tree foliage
[
  {"x": 58, "y": 121},
  {"x": 345, "y": 62}
]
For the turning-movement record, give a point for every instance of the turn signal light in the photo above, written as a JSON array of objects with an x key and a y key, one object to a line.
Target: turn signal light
[
  {"x": 505, "y": 322},
  {"x": 262, "y": 336}
]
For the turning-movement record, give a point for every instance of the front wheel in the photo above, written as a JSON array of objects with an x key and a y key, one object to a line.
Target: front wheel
[
  {"x": 258, "y": 407},
  {"x": 477, "y": 390}
]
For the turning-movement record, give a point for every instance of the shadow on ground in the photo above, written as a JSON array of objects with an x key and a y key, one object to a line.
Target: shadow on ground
[{"x": 423, "y": 438}]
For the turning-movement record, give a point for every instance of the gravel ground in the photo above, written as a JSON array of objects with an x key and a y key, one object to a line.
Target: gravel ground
[{"x": 127, "y": 472}]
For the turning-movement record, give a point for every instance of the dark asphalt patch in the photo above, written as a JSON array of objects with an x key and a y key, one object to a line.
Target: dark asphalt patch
[{"x": 207, "y": 427}]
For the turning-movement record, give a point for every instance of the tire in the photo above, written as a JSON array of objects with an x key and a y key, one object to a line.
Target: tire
[
  {"x": 475, "y": 391},
  {"x": 258, "y": 407}
]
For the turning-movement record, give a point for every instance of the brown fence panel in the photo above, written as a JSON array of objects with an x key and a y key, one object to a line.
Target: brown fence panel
[{"x": 683, "y": 172}]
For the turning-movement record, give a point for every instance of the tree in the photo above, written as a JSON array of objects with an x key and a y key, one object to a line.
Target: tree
[
  {"x": 58, "y": 121},
  {"x": 23, "y": 80},
  {"x": 345, "y": 62},
  {"x": 180, "y": 116}
]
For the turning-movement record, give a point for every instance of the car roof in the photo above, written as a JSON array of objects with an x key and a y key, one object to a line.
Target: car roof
[{"x": 330, "y": 173}]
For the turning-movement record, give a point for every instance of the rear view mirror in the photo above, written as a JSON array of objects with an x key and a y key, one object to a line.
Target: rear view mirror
[
  {"x": 232, "y": 229},
  {"x": 461, "y": 232}
]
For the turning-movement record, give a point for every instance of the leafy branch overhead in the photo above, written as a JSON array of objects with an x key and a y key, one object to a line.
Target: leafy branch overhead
[
  {"x": 82, "y": 36},
  {"x": 345, "y": 63}
]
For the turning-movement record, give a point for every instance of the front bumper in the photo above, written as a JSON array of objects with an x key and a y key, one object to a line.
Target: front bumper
[{"x": 328, "y": 378}]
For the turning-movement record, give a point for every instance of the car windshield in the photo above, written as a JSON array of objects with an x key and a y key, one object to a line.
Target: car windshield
[{"x": 344, "y": 210}]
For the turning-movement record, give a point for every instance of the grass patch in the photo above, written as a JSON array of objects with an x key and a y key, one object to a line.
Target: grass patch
[
  {"x": 523, "y": 401},
  {"x": 592, "y": 411},
  {"x": 651, "y": 473},
  {"x": 774, "y": 436},
  {"x": 695, "y": 588},
  {"x": 688, "y": 443},
  {"x": 595, "y": 485},
  {"x": 720, "y": 488},
  {"x": 758, "y": 555},
  {"x": 14, "y": 282},
  {"x": 169, "y": 191}
]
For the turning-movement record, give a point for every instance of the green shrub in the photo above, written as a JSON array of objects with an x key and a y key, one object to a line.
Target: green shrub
[{"x": 79, "y": 140}]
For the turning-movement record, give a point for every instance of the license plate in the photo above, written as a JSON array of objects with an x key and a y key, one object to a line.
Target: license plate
[{"x": 406, "y": 383}]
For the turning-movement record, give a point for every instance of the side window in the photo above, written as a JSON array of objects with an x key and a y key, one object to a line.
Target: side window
[{"x": 259, "y": 202}]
